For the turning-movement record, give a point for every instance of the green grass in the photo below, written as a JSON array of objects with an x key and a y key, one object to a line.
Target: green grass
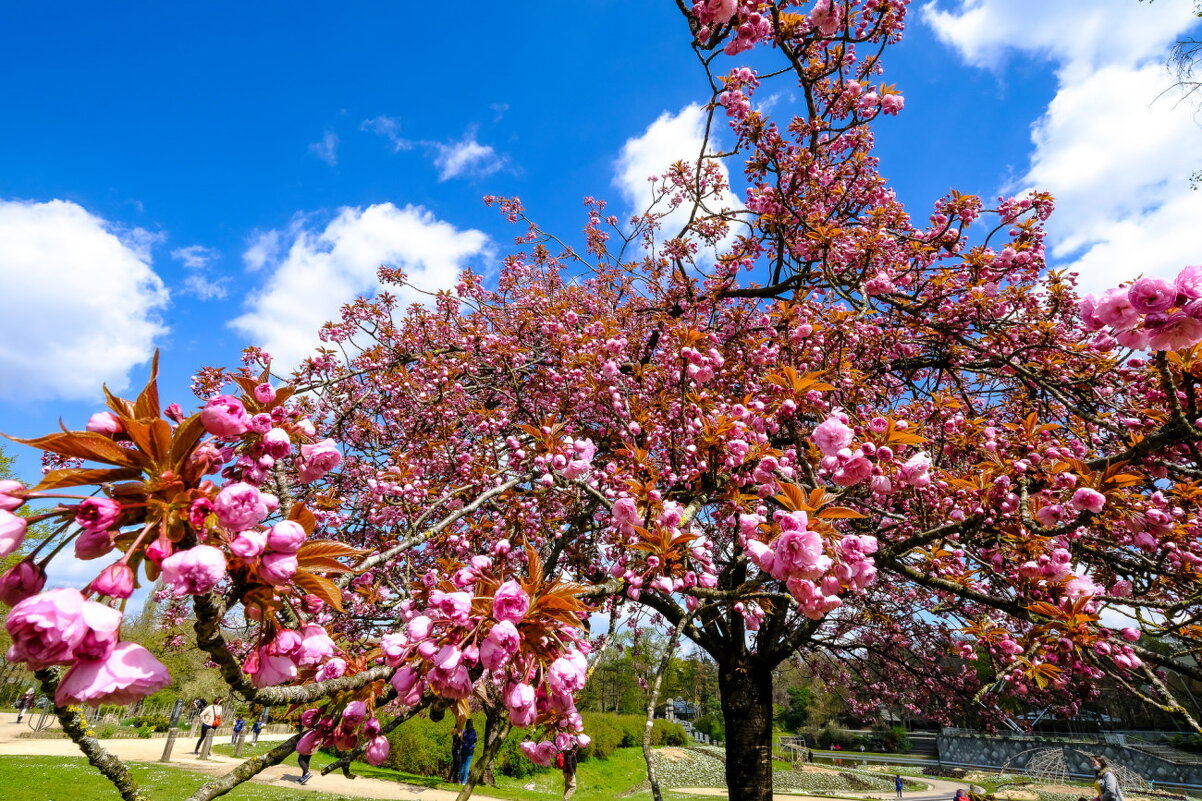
[
  {"x": 596, "y": 779},
  {"x": 43, "y": 778}
]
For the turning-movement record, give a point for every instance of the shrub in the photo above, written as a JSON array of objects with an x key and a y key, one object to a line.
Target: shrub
[
  {"x": 153, "y": 722},
  {"x": 606, "y": 733},
  {"x": 712, "y": 726},
  {"x": 895, "y": 740},
  {"x": 665, "y": 733},
  {"x": 510, "y": 760},
  {"x": 420, "y": 746}
]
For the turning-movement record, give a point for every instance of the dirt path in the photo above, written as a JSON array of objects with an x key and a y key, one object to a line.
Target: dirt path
[
  {"x": 937, "y": 790},
  {"x": 288, "y": 776}
]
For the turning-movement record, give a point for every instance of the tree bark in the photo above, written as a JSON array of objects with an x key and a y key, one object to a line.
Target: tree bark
[{"x": 745, "y": 686}]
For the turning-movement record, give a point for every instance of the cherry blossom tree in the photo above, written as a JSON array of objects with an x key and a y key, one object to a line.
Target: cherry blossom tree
[{"x": 797, "y": 424}]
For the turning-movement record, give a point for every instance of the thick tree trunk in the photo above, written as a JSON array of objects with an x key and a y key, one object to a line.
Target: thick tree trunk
[{"x": 746, "y": 690}]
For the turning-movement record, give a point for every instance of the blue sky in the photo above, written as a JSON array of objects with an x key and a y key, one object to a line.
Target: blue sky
[{"x": 199, "y": 177}]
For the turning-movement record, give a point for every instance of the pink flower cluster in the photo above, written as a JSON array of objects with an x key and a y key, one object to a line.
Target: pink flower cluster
[
  {"x": 280, "y": 660},
  {"x": 797, "y": 557},
  {"x": 445, "y": 649},
  {"x": 60, "y": 627},
  {"x": 1152, "y": 313},
  {"x": 344, "y": 732}
]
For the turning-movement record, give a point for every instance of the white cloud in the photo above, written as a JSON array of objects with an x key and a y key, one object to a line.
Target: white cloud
[
  {"x": 80, "y": 304},
  {"x": 465, "y": 158},
  {"x": 322, "y": 270},
  {"x": 197, "y": 259},
  {"x": 1113, "y": 146},
  {"x": 390, "y": 129},
  {"x": 326, "y": 149},
  {"x": 671, "y": 138}
]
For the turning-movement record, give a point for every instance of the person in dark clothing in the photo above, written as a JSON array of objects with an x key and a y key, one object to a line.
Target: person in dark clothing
[
  {"x": 467, "y": 749},
  {"x": 897, "y": 785},
  {"x": 303, "y": 761},
  {"x": 569, "y": 773}
]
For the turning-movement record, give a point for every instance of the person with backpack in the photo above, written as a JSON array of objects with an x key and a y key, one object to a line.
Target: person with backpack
[
  {"x": 1106, "y": 780},
  {"x": 24, "y": 704},
  {"x": 256, "y": 729},
  {"x": 566, "y": 762},
  {"x": 210, "y": 719},
  {"x": 467, "y": 749},
  {"x": 897, "y": 785},
  {"x": 239, "y": 725}
]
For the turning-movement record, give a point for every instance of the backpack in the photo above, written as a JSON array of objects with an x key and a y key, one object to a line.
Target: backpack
[
  {"x": 216, "y": 720},
  {"x": 559, "y": 760}
]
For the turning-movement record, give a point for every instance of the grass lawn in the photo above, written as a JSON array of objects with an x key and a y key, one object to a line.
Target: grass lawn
[
  {"x": 596, "y": 779},
  {"x": 43, "y": 778}
]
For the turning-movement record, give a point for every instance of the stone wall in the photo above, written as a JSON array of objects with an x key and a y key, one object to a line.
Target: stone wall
[{"x": 997, "y": 751}]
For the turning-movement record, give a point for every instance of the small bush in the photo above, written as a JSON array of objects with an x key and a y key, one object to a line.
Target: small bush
[
  {"x": 154, "y": 722},
  {"x": 420, "y": 746},
  {"x": 665, "y": 733},
  {"x": 511, "y": 761},
  {"x": 606, "y": 733}
]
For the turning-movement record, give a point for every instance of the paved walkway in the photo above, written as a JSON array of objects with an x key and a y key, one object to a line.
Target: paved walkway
[
  {"x": 937, "y": 790},
  {"x": 287, "y": 776}
]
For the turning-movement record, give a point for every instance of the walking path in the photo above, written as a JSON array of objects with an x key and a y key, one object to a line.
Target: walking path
[{"x": 938, "y": 790}]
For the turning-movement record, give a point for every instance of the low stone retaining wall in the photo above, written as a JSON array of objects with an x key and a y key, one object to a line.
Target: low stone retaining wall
[{"x": 997, "y": 751}]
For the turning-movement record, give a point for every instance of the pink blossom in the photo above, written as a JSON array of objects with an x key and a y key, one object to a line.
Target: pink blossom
[
  {"x": 1115, "y": 310},
  {"x": 539, "y": 753},
  {"x": 565, "y": 676},
  {"x": 316, "y": 645},
  {"x": 277, "y": 443},
  {"x": 1130, "y": 634},
  {"x": 519, "y": 700},
  {"x": 377, "y": 751},
  {"x": 105, "y": 423},
  {"x": 404, "y": 680},
  {"x": 719, "y": 11},
  {"x": 225, "y": 416},
  {"x": 1088, "y": 310},
  {"x": 454, "y": 684},
  {"x": 826, "y": 17},
  {"x": 457, "y": 606},
  {"x": 853, "y": 471},
  {"x": 273, "y": 669},
  {"x": 419, "y": 627},
  {"x": 49, "y": 628},
  {"x": 286, "y": 537},
  {"x": 309, "y": 742},
  {"x": 21, "y": 581},
  {"x": 331, "y": 669},
  {"x": 892, "y": 103},
  {"x": 97, "y": 514},
  {"x": 12, "y": 532},
  {"x": 194, "y": 571},
  {"x": 1149, "y": 295},
  {"x": 239, "y": 506},
  {"x": 115, "y": 581},
  {"x": 264, "y": 393},
  {"x": 915, "y": 471},
  {"x": 395, "y": 647},
  {"x": 11, "y": 495},
  {"x": 278, "y": 568},
  {"x": 500, "y": 645},
  {"x": 1177, "y": 332},
  {"x": 318, "y": 459},
  {"x": 128, "y": 672},
  {"x": 354, "y": 713},
  {"x": 1088, "y": 499},
  {"x": 448, "y": 657},
  {"x": 249, "y": 544},
  {"x": 797, "y": 552},
  {"x": 1189, "y": 281},
  {"x": 510, "y": 602},
  {"x": 626, "y": 513},
  {"x": 832, "y": 436},
  {"x": 1136, "y": 339},
  {"x": 93, "y": 544}
]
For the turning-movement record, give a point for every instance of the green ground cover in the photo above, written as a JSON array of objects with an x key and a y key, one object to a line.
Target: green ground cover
[{"x": 44, "y": 778}]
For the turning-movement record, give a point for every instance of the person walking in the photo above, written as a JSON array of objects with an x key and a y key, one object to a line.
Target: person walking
[
  {"x": 239, "y": 725},
  {"x": 256, "y": 729},
  {"x": 210, "y": 719},
  {"x": 303, "y": 761},
  {"x": 467, "y": 749},
  {"x": 1105, "y": 779},
  {"x": 24, "y": 704},
  {"x": 897, "y": 785},
  {"x": 567, "y": 763}
]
